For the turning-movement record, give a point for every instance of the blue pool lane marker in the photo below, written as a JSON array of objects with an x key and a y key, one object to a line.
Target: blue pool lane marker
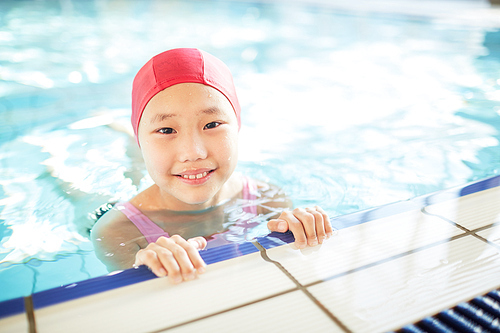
[
  {"x": 12, "y": 307},
  {"x": 230, "y": 251}
]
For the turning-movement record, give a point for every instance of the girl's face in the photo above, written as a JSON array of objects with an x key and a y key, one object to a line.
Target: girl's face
[{"x": 189, "y": 139}]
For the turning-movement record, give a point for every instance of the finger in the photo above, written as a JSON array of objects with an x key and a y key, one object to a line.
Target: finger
[
  {"x": 296, "y": 227},
  {"x": 194, "y": 245},
  {"x": 164, "y": 255},
  {"x": 327, "y": 224},
  {"x": 178, "y": 247},
  {"x": 277, "y": 225},
  {"x": 319, "y": 224},
  {"x": 149, "y": 258},
  {"x": 309, "y": 225},
  {"x": 198, "y": 242}
]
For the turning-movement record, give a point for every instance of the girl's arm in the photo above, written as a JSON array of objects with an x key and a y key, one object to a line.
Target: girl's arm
[
  {"x": 116, "y": 241},
  {"x": 119, "y": 245}
]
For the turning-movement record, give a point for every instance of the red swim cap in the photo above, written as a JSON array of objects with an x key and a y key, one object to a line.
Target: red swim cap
[{"x": 180, "y": 66}]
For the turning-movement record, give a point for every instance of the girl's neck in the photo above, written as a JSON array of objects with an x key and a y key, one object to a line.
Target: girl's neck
[{"x": 154, "y": 199}]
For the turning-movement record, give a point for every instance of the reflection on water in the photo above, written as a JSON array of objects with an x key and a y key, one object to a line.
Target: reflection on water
[{"x": 348, "y": 111}]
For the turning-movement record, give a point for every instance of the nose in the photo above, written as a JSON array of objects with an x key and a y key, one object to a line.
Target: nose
[{"x": 191, "y": 147}]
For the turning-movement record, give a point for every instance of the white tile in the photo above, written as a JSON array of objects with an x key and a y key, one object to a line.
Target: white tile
[
  {"x": 292, "y": 312},
  {"x": 388, "y": 296},
  {"x": 14, "y": 324},
  {"x": 472, "y": 211},
  {"x": 492, "y": 234},
  {"x": 156, "y": 304},
  {"x": 363, "y": 244}
]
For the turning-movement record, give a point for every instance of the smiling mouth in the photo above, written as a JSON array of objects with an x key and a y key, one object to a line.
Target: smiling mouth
[{"x": 196, "y": 176}]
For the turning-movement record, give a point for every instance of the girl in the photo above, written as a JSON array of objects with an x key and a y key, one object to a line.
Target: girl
[{"x": 186, "y": 119}]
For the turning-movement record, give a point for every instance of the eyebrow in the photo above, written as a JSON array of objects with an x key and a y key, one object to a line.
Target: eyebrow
[
  {"x": 212, "y": 110},
  {"x": 158, "y": 118}
]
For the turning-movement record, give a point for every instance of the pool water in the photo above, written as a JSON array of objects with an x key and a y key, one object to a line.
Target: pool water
[{"x": 346, "y": 110}]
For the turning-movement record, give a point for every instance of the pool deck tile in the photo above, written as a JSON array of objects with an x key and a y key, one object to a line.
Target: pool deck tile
[
  {"x": 127, "y": 277},
  {"x": 363, "y": 245},
  {"x": 14, "y": 324},
  {"x": 291, "y": 312},
  {"x": 13, "y": 317},
  {"x": 491, "y": 234},
  {"x": 472, "y": 211},
  {"x": 387, "y": 296},
  {"x": 157, "y": 304}
]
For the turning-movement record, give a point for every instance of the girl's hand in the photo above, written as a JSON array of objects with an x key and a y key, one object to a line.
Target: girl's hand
[
  {"x": 176, "y": 257},
  {"x": 309, "y": 226}
]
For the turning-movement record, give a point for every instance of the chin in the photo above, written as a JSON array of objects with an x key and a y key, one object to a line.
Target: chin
[{"x": 196, "y": 201}]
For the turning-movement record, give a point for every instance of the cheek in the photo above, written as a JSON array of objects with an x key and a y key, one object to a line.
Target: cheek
[
  {"x": 156, "y": 161},
  {"x": 228, "y": 148}
]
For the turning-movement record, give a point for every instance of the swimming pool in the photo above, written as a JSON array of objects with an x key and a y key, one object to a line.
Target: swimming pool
[{"x": 345, "y": 109}]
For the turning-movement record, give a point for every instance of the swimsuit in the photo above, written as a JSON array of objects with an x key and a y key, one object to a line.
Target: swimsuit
[
  {"x": 148, "y": 228},
  {"x": 152, "y": 231}
]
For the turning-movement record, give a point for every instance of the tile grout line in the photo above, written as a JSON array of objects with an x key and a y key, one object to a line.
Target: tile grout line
[
  {"x": 424, "y": 211},
  {"x": 223, "y": 311},
  {"x": 388, "y": 259},
  {"x": 264, "y": 255},
  {"x": 471, "y": 232},
  {"x": 494, "y": 224},
  {"x": 496, "y": 246},
  {"x": 30, "y": 313}
]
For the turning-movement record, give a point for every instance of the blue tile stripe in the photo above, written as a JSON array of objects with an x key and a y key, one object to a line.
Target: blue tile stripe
[
  {"x": 91, "y": 286},
  {"x": 130, "y": 276},
  {"x": 12, "y": 307},
  {"x": 275, "y": 239},
  {"x": 109, "y": 282},
  {"x": 228, "y": 251},
  {"x": 461, "y": 191},
  {"x": 480, "y": 186},
  {"x": 357, "y": 218}
]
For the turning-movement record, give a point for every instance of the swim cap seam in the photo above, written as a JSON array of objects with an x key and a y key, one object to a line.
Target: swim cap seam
[{"x": 203, "y": 66}]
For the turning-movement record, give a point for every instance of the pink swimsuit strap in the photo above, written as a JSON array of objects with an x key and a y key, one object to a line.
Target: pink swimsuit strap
[
  {"x": 148, "y": 228},
  {"x": 248, "y": 193},
  {"x": 152, "y": 231}
]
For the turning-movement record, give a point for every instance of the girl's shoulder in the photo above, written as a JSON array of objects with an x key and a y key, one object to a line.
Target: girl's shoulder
[
  {"x": 114, "y": 224},
  {"x": 114, "y": 237}
]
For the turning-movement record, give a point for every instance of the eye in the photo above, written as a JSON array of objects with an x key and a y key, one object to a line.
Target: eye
[
  {"x": 166, "y": 130},
  {"x": 211, "y": 125}
]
